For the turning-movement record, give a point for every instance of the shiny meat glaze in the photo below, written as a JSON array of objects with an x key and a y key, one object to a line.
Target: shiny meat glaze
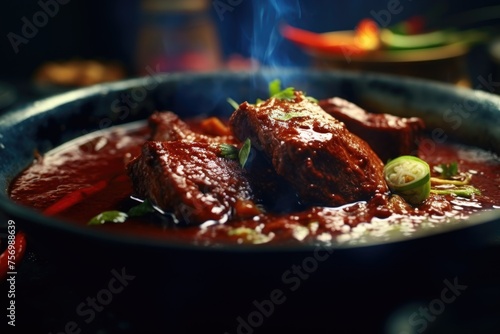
[
  {"x": 167, "y": 126},
  {"x": 189, "y": 179},
  {"x": 325, "y": 163},
  {"x": 389, "y": 136}
]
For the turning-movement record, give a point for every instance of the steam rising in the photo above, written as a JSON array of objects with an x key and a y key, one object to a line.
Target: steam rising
[{"x": 267, "y": 44}]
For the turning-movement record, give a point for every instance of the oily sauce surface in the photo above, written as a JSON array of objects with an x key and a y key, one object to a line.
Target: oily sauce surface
[{"x": 89, "y": 174}]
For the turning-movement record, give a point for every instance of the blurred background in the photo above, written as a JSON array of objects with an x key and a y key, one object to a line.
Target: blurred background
[
  {"x": 53, "y": 45},
  {"x": 50, "y": 46}
]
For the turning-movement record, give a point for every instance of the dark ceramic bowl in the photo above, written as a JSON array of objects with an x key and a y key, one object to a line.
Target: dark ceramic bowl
[
  {"x": 470, "y": 116},
  {"x": 185, "y": 288}
]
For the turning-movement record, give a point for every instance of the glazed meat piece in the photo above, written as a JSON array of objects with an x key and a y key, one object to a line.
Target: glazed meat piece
[
  {"x": 389, "y": 136},
  {"x": 189, "y": 179},
  {"x": 268, "y": 188},
  {"x": 326, "y": 164},
  {"x": 167, "y": 126}
]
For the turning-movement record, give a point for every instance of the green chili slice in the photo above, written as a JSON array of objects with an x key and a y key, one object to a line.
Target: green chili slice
[{"x": 409, "y": 177}]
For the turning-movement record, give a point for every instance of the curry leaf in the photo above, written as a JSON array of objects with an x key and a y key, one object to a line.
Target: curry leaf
[
  {"x": 231, "y": 152},
  {"x": 244, "y": 152},
  {"x": 115, "y": 216},
  {"x": 140, "y": 210}
]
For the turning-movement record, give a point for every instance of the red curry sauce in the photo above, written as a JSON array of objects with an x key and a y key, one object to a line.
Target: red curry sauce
[{"x": 90, "y": 175}]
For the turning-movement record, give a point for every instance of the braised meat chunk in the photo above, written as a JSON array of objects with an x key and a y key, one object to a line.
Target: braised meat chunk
[
  {"x": 326, "y": 164},
  {"x": 389, "y": 136},
  {"x": 167, "y": 126},
  {"x": 189, "y": 179}
]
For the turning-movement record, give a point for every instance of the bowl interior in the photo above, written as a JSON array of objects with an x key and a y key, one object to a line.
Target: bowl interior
[{"x": 459, "y": 113}]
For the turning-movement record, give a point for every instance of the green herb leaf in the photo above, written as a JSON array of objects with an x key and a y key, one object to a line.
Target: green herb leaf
[
  {"x": 288, "y": 93},
  {"x": 115, "y": 216},
  {"x": 280, "y": 115},
  {"x": 141, "y": 209},
  {"x": 449, "y": 170},
  {"x": 244, "y": 152},
  {"x": 231, "y": 152},
  {"x": 228, "y": 151},
  {"x": 274, "y": 87},
  {"x": 276, "y": 91},
  {"x": 285, "y": 94},
  {"x": 312, "y": 99},
  {"x": 108, "y": 217},
  {"x": 233, "y": 103}
]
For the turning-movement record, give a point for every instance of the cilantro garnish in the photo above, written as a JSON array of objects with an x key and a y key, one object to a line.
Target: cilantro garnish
[
  {"x": 449, "y": 170},
  {"x": 283, "y": 94},
  {"x": 274, "y": 87},
  {"x": 280, "y": 115},
  {"x": 276, "y": 92}
]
